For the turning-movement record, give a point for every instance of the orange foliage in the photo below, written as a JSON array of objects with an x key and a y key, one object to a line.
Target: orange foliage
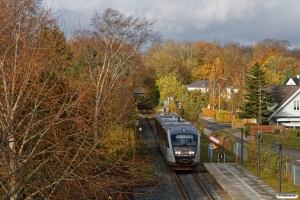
[{"x": 208, "y": 112}]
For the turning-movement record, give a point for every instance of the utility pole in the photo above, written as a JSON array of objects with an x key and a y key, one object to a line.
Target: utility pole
[
  {"x": 219, "y": 88},
  {"x": 259, "y": 109},
  {"x": 219, "y": 95}
]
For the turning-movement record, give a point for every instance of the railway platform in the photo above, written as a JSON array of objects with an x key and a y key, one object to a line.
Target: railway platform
[{"x": 239, "y": 182}]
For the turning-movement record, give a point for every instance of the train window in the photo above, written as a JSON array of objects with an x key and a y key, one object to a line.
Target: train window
[{"x": 184, "y": 139}]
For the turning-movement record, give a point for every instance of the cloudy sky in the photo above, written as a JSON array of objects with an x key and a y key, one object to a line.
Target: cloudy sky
[{"x": 243, "y": 21}]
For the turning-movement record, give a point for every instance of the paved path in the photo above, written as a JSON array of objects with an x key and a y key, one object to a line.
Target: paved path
[{"x": 239, "y": 182}]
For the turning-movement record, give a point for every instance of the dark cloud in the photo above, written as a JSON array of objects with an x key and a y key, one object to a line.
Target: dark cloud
[{"x": 244, "y": 21}]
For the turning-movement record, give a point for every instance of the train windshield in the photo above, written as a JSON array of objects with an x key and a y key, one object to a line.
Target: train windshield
[
  {"x": 184, "y": 144},
  {"x": 184, "y": 139}
]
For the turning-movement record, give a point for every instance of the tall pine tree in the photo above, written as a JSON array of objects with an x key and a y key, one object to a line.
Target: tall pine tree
[{"x": 256, "y": 99}]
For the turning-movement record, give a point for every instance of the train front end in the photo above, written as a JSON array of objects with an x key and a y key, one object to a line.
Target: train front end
[{"x": 185, "y": 147}]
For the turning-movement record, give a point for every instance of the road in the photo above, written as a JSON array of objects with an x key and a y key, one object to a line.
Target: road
[
  {"x": 293, "y": 153},
  {"x": 214, "y": 126}
]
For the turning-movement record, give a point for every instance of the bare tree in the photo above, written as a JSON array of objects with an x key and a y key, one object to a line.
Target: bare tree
[{"x": 117, "y": 39}]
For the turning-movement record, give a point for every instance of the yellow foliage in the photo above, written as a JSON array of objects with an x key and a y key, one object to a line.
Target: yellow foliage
[
  {"x": 173, "y": 106},
  {"x": 273, "y": 78},
  {"x": 118, "y": 141},
  {"x": 223, "y": 116}
]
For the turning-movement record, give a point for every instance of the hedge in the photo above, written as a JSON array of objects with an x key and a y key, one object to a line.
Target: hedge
[
  {"x": 292, "y": 132},
  {"x": 287, "y": 141}
]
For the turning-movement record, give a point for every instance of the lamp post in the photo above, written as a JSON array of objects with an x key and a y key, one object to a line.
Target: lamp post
[
  {"x": 219, "y": 95},
  {"x": 258, "y": 155},
  {"x": 219, "y": 84},
  {"x": 242, "y": 148},
  {"x": 279, "y": 146},
  {"x": 140, "y": 129},
  {"x": 231, "y": 93}
]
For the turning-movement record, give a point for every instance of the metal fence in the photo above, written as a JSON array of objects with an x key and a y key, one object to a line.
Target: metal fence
[
  {"x": 237, "y": 149},
  {"x": 293, "y": 171},
  {"x": 207, "y": 132}
]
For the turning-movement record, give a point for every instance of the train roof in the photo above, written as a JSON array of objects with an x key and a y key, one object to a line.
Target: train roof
[
  {"x": 169, "y": 116},
  {"x": 174, "y": 122},
  {"x": 184, "y": 129}
]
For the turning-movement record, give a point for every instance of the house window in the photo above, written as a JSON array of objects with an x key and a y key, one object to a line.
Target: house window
[{"x": 296, "y": 105}]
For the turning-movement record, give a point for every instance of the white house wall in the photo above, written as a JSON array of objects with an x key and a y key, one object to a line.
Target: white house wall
[
  {"x": 288, "y": 110},
  {"x": 288, "y": 119}
]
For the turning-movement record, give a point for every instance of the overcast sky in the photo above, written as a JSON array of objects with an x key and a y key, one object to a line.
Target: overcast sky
[{"x": 243, "y": 21}]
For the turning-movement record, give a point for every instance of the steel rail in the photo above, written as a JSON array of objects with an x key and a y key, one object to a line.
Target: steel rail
[
  {"x": 181, "y": 188},
  {"x": 204, "y": 190}
]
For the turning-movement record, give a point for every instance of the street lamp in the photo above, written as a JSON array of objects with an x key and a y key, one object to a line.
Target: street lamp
[
  {"x": 219, "y": 88},
  {"x": 231, "y": 94},
  {"x": 219, "y": 95},
  {"x": 242, "y": 144},
  {"x": 258, "y": 155},
  {"x": 140, "y": 129},
  {"x": 279, "y": 146}
]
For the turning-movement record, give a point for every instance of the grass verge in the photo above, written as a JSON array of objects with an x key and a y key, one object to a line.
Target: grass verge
[{"x": 286, "y": 185}]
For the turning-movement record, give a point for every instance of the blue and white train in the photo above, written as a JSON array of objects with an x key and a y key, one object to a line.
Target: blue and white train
[{"x": 179, "y": 141}]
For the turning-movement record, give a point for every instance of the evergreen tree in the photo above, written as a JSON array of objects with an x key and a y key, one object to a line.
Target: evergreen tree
[{"x": 256, "y": 99}]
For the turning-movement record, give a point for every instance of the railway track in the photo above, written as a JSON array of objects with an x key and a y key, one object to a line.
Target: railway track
[
  {"x": 187, "y": 183},
  {"x": 181, "y": 187},
  {"x": 148, "y": 117},
  {"x": 204, "y": 190}
]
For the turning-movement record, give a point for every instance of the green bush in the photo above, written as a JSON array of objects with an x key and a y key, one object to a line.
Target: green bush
[
  {"x": 276, "y": 131},
  {"x": 292, "y": 132},
  {"x": 247, "y": 129},
  {"x": 223, "y": 116}
]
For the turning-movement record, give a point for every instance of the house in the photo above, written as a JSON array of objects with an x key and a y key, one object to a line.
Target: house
[
  {"x": 201, "y": 85},
  {"x": 204, "y": 86},
  {"x": 293, "y": 81},
  {"x": 287, "y": 109}
]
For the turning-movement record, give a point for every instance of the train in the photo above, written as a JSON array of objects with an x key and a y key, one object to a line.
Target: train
[{"x": 178, "y": 141}]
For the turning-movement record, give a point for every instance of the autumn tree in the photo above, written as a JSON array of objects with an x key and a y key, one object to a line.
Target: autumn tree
[
  {"x": 39, "y": 150},
  {"x": 169, "y": 86},
  {"x": 117, "y": 39},
  {"x": 207, "y": 53},
  {"x": 193, "y": 104},
  {"x": 173, "y": 57},
  {"x": 269, "y": 47},
  {"x": 170, "y": 58}
]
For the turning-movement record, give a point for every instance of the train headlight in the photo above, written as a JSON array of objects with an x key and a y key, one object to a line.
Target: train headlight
[
  {"x": 177, "y": 152},
  {"x": 191, "y": 152}
]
